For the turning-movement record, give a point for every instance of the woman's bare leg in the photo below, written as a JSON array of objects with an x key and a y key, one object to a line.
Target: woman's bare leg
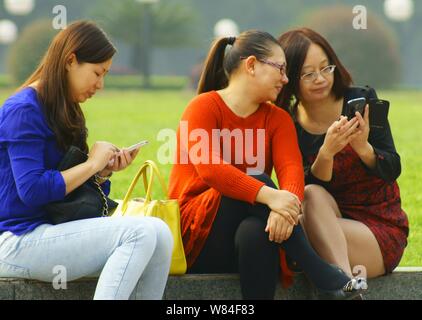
[
  {"x": 343, "y": 242},
  {"x": 363, "y": 249}
]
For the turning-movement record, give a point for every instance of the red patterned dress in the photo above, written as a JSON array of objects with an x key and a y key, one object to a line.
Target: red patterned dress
[{"x": 370, "y": 196}]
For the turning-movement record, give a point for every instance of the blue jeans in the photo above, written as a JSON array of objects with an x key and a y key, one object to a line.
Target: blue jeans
[{"x": 132, "y": 255}]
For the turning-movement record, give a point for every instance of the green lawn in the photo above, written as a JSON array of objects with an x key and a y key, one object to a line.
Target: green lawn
[
  {"x": 406, "y": 112},
  {"x": 126, "y": 117}
]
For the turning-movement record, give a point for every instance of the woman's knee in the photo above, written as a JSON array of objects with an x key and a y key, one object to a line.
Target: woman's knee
[
  {"x": 134, "y": 229},
  {"x": 252, "y": 242},
  {"x": 314, "y": 192},
  {"x": 316, "y": 196},
  {"x": 165, "y": 239},
  {"x": 251, "y": 233}
]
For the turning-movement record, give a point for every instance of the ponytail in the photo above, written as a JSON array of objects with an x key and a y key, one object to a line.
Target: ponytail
[{"x": 213, "y": 76}]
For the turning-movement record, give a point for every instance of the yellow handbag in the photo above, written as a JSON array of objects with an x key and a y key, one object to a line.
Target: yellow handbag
[{"x": 167, "y": 210}]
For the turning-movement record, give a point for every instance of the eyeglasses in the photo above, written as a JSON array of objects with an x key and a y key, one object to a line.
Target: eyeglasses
[
  {"x": 281, "y": 67},
  {"x": 312, "y": 76}
]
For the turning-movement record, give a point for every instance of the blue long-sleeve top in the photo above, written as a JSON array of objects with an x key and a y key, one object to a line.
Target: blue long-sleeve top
[{"x": 29, "y": 156}]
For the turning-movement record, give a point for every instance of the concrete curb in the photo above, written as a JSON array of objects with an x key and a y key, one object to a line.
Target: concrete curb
[{"x": 403, "y": 284}]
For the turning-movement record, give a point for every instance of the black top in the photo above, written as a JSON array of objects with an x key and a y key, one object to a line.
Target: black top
[{"x": 388, "y": 166}]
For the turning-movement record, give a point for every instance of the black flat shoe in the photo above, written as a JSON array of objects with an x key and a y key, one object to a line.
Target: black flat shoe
[{"x": 352, "y": 290}]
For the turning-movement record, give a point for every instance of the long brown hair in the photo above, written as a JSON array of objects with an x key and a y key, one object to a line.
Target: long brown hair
[
  {"x": 219, "y": 64},
  {"x": 295, "y": 44},
  {"x": 64, "y": 116}
]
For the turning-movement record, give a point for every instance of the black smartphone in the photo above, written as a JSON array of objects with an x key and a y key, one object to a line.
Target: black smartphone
[
  {"x": 354, "y": 105},
  {"x": 378, "y": 113}
]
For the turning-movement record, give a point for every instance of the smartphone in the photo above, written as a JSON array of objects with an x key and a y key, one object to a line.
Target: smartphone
[
  {"x": 137, "y": 145},
  {"x": 378, "y": 113},
  {"x": 130, "y": 149},
  {"x": 354, "y": 105}
]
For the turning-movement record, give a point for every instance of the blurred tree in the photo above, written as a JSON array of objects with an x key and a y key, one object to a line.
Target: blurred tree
[
  {"x": 28, "y": 50},
  {"x": 195, "y": 20},
  {"x": 172, "y": 24},
  {"x": 371, "y": 55}
]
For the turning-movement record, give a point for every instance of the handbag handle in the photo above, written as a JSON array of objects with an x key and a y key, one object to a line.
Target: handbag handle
[
  {"x": 154, "y": 171},
  {"x": 147, "y": 184}
]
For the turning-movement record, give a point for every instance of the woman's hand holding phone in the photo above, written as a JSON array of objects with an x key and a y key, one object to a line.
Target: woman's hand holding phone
[
  {"x": 338, "y": 136},
  {"x": 360, "y": 142},
  {"x": 125, "y": 157},
  {"x": 101, "y": 153}
]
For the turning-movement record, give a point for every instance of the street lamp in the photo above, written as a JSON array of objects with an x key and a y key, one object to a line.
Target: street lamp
[
  {"x": 146, "y": 41},
  {"x": 19, "y": 7},
  {"x": 401, "y": 11},
  {"x": 226, "y": 28},
  {"x": 8, "y": 32},
  {"x": 9, "y": 29}
]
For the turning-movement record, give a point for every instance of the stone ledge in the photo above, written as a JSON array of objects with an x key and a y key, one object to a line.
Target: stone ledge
[{"x": 403, "y": 284}]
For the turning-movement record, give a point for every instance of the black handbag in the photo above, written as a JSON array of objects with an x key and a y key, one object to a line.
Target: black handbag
[{"x": 85, "y": 202}]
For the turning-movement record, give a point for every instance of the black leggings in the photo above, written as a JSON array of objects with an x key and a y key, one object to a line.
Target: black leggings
[{"x": 237, "y": 243}]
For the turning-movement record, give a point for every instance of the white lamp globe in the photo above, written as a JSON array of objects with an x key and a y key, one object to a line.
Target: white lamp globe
[
  {"x": 8, "y": 32},
  {"x": 399, "y": 10},
  {"x": 19, "y": 7},
  {"x": 226, "y": 28}
]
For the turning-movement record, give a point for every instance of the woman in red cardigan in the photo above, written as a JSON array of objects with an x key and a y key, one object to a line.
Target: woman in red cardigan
[{"x": 234, "y": 218}]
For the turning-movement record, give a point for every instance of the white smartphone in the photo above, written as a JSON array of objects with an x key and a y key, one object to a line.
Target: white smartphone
[
  {"x": 137, "y": 145},
  {"x": 131, "y": 149}
]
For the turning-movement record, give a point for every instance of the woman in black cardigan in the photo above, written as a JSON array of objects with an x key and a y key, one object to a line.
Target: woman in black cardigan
[{"x": 352, "y": 210}]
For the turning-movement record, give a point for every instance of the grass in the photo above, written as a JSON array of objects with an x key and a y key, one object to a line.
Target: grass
[
  {"x": 126, "y": 117},
  {"x": 125, "y": 82},
  {"x": 406, "y": 110}
]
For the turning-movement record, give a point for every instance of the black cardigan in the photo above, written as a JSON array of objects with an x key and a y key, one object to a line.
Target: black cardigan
[{"x": 388, "y": 166}]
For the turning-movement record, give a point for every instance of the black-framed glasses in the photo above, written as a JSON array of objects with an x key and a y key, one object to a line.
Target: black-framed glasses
[
  {"x": 312, "y": 76},
  {"x": 281, "y": 67}
]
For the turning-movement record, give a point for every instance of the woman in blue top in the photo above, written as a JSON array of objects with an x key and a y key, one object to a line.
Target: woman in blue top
[{"x": 37, "y": 125}]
